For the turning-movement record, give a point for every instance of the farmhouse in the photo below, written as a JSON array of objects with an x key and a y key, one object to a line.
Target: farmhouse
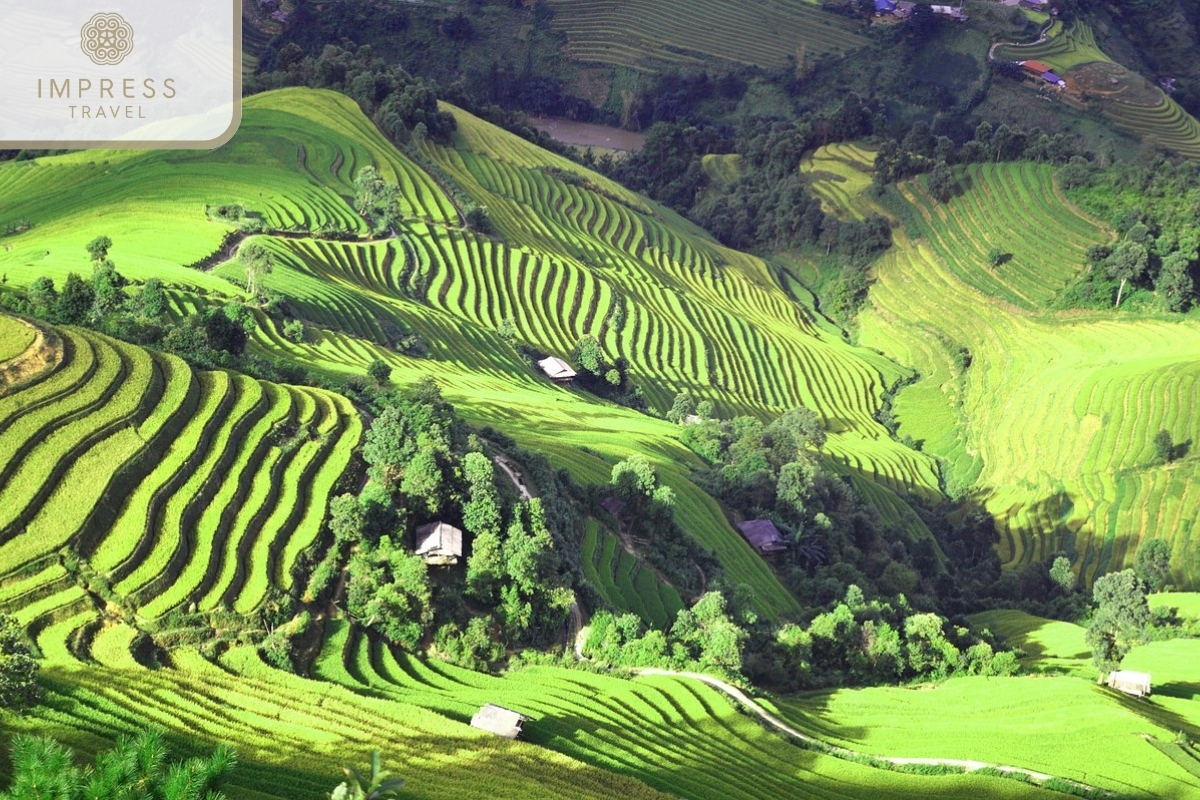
[
  {"x": 1130, "y": 682},
  {"x": 763, "y": 536},
  {"x": 556, "y": 369},
  {"x": 1054, "y": 80},
  {"x": 439, "y": 543},
  {"x": 1036, "y": 68},
  {"x": 499, "y": 720}
]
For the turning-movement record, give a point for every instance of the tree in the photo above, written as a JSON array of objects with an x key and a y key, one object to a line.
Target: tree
[
  {"x": 708, "y": 636},
  {"x": 1062, "y": 575},
  {"x": 995, "y": 257},
  {"x": 389, "y": 591},
  {"x": 222, "y": 332},
  {"x": 1153, "y": 565},
  {"x": 18, "y": 668},
  {"x": 108, "y": 286},
  {"x": 941, "y": 182},
  {"x": 256, "y": 261},
  {"x": 136, "y": 768},
  {"x": 98, "y": 248},
  {"x": 683, "y": 406},
  {"x": 379, "y": 371},
  {"x": 1174, "y": 284},
  {"x": 481, "y": 511},
  {"x": 43, "y": 295},
  {"x": 154, "y": 299},
  {"x": 76, "y": 301},
  {"x": 1126, "y": 263},
  {"x": 378, "y": 784},
  {"x": 1120, "y": 618},
  {"x": 1164, "y": 446},
  {"x": 589, "y": 355}
]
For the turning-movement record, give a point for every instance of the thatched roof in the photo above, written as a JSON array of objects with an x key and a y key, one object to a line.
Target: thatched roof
[
  {"x": 439, "y": 541},
  {"x": 499, "y": 720},
  {"x": 762, "y": 535},
  {"x": 556, "y": 369}
]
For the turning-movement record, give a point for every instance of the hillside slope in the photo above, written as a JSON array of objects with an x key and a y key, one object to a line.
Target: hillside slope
[{"x": 574, "y": 254}]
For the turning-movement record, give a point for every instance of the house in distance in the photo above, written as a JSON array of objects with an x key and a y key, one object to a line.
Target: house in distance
[
  {"x": 763, "y": 536},
  {"x": 556, "y": 369},
  {"x": 439, "y": 543},
  {"x": 499, "y": 720}
]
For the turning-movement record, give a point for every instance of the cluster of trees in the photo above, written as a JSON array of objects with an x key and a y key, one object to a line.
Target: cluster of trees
[
  {"x": 923, "y": 150},
  {"x": 405, "y": 107},
  {"x": 214, "y": 338},
  {"x": 859, "y": 642},
  {"x": 644, "y": 512},
  {"x": 774, "y": 471},
  {"x": 856, "y": 642},
  {"x": 137, "y": 768},
  {"x": 705, "y": 637},
  {"x": 1152, "y": 209},
  {"x": 424, "y": 465}
]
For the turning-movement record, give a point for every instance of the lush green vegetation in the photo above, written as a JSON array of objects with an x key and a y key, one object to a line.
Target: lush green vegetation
[{"x": 159, "y": 515}]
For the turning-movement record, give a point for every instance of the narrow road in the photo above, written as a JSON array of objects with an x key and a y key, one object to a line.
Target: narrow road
[
  {"x": 738, "y": 695},
  {"x": 513, "y": 476}
]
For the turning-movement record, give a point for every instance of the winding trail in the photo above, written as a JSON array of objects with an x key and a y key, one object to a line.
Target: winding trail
[{"x": 966, "y": 765}]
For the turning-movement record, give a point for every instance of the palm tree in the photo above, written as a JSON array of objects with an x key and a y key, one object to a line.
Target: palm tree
[{"x": 379, "y": 785}]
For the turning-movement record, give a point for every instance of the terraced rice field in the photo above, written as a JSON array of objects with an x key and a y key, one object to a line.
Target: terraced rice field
[
  {"x": 1064, "y": 726},
  {"x": 649, "y": 33},
  {"x": 674, "y": 735},
  {"x": 1167, "y": 123},
  {"x": 624, "y": 581},
  {"x": 1073, "y": 45},
  {"x": 301, "y": 177},
  {"x": 1134, "y": 104},
  {"x": 175, "y": 485},
  {"x": 1053, "y": 421},
  {"x": 839, "y": 175},
  {"x": 15, "y": 338}
]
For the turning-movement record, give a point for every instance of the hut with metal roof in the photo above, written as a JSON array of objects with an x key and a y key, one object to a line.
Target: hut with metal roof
[
  {"x": 499, "y": 720},
  {"x": 439, "y": 543},
  {"x": 556, "y": 369},
  {"x": 1130, "y": 682}
]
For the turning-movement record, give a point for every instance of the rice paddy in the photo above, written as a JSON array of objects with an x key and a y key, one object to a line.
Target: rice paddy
[
  {"x": 1051, "y": 426},
  {"x": 648, "y": 34},
  {"x": 174, "y": 486}
]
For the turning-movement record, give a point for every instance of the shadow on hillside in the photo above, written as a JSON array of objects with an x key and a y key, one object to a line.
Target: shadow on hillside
[
  {"x": 1184, "y": 690},
  {"x": 1156, "y": 713}
]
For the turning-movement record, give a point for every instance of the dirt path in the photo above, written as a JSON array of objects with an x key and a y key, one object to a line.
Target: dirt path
[
  {"x": 514, "y": 476},
  {"x": 584, "y": 134},
  {"x": 578, "y": 630},
  {"x": 738, "y": 695}
]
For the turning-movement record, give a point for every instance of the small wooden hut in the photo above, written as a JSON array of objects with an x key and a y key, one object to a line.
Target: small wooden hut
[
  {"x": 763, "y": 536},
  {"x": 499, "y": 720},
  {"x": 439, "y": 543},
  {"x": 1130, "y": 682}
]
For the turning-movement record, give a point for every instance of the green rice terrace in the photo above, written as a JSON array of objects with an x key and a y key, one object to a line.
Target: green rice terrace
[
  {"x": 138, "y": 492},
  {"x": 649, "y": 34}
]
